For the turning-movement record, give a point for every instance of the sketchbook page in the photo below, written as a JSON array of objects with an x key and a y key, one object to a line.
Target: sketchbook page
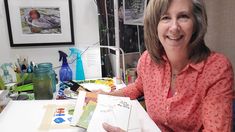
[
  {"x": 82, "y": 101},
  {"x": 112, "y": 110},
  {"x": 78, "y": 108},
  {"x": 86, "y": 115},
  {"x": 122, "y": 113},
  {"x": 146, "y": 123},
  {"x": 100, "y": 115},
  {"x": 134, "y": 121}
]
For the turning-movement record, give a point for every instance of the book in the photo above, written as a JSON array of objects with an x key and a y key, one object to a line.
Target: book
[
  {"x": 92, "y": 110},
  {"x": 112, "y": 110}
]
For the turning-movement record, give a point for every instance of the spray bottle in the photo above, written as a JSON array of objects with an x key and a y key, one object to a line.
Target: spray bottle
[
  {"x": 65, "y": 72},
  {"x": 75, "y": 53},
  {"x": 7, "y": 78}
]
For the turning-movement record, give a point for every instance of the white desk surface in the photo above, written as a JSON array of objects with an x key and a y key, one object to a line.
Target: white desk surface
[{"x": 26, "y": 116}]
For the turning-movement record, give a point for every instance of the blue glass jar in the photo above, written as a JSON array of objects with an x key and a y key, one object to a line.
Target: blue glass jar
[
  {"x": 42, "y": 84},
  {"x": 51, "y": 73}
]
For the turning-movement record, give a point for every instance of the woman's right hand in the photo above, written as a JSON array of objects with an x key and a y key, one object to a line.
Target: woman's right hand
[{"x": 99, "y": 92}]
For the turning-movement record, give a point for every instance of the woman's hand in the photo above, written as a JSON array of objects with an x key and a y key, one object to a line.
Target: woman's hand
[
  {"x": 110, "y": 128},
  {"x": 99, "y": 92}
]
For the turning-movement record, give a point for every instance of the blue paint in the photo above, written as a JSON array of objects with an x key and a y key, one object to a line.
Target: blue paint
[
  {"x": 59, "y": 120},
  {"x": 60, "y": 114}
]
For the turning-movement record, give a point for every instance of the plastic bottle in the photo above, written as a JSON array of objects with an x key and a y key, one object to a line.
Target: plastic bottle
[
  {"x": 51, "y": 73},
  {"x": 42, "y": 84},
  {"x": 65, "y": 72},
  {"x": 79, "y": 72},
  {"x": 7, "y": 78}
]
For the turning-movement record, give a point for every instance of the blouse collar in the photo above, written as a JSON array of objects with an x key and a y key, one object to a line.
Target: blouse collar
[{"x": 197, "y": 66}]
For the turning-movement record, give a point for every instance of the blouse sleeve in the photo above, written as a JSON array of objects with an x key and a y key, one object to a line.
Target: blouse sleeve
[
  {"x": 217, "y": 104},
  {"x": 135, "y": 89}
]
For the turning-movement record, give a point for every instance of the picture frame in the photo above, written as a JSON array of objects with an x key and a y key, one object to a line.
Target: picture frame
[
  {"x": 39, "y": 22},
  {"x": 134, "y": 12}
]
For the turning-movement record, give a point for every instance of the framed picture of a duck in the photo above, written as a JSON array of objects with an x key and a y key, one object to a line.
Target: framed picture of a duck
[{"x": 39, "y": 22}]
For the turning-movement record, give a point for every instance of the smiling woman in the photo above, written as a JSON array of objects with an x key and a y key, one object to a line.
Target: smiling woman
[{"x": 186, "y": 86}]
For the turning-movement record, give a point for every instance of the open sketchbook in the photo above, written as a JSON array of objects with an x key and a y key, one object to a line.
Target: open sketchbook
[{"x": 91, "y": 113}]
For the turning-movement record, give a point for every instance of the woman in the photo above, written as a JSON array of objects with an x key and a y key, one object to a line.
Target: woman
[{"x": 186, "y": 86}]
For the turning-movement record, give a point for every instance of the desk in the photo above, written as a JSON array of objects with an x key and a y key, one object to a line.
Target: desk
[{"x": 26, "y": 116}]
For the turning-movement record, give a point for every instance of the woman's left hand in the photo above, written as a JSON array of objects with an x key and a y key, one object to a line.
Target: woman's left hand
[{"x": 110, "y": 128}]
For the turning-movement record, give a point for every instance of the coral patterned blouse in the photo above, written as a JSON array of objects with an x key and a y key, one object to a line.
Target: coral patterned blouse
[{"x": 202, "y": 99}]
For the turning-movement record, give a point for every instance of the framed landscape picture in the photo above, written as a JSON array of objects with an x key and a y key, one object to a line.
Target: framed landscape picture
[
  {"x": 134, "y": 11},
  {"x": 39, "y": 22}
]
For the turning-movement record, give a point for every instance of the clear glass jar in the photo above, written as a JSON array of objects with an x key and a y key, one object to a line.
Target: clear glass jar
[
  {"x": 51, "y": 73},
  {"x": 42, "y": 84}
]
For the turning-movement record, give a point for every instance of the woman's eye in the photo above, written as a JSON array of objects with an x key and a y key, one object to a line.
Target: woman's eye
[
  {"x": 184, "y": 16},
  {"x": 165, "y": 18}
]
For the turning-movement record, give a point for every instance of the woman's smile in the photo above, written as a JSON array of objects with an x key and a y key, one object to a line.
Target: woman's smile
[{"x": 175, "y": 38}]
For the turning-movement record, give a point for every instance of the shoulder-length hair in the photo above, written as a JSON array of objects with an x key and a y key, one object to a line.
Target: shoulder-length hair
[{"x": 197, "y": 50}]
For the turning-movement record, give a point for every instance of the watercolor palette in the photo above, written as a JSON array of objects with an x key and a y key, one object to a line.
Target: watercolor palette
[{"x": 105, "y": 84}]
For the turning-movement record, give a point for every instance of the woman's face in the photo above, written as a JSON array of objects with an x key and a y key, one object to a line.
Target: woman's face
[{"x": 175, "y": 27}]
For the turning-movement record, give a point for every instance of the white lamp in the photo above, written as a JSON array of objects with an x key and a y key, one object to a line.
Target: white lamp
[
  {"x": 117, "y": 41},
  {"x": 117, "y": 50}
]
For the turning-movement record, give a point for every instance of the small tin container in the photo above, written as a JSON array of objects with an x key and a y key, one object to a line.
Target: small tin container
[{"x": 131, "y": 75}]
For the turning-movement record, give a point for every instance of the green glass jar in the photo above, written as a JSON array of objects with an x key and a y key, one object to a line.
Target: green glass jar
[
  {"x": 51, "y": 73},
  {"x": 42, "y": 84}
]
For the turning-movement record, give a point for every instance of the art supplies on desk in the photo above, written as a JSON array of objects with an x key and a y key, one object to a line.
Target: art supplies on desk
[
  {"x": 23, "y": 65},
  {"x": 65, "y": 72},
  {"x": 23, "y": 70},
  {"x": 66, "y": 88},
  {"x": 92, "y": 110},
  {"x": 78, "y": 72},
  {"x": 6, "y": 77}
]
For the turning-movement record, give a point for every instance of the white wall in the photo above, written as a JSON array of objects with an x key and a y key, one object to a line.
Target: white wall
[{"x": 86, "y": 32}]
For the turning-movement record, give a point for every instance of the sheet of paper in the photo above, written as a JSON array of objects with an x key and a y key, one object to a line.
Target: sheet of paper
[
  {"x": 112, "y": 110},
  {"x": 62, "y": 116},
  {"x": 82, "y": 101},
  {"x": 86, "y": 116},
  {"x": 92, "y": 63},
  {"x": 134, "y": 123}
]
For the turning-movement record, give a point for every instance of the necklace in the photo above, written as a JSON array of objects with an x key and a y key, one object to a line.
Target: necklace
[{"x": 174, "y": 75}]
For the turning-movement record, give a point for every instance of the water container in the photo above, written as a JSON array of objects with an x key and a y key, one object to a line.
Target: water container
[
  {"x": 51, "y": 73},
  {"x": 42, "y": 84}
]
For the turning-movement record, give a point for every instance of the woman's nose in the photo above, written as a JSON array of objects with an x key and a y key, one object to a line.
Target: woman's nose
[{"x": 174, "y": 27}]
